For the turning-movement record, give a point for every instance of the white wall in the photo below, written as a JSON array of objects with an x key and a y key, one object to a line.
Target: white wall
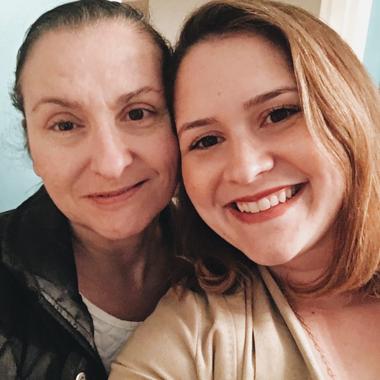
[
  {"x": 312, "y": 6},
  {"x": 168, "y": 15},
  {"x": 350, "y": 18},
  {"x": 17, "y": 179}
]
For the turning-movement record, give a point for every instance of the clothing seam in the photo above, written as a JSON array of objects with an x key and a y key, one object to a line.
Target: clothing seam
[
  {"x": 62, "y": 311},
  {"x": 232, "y": 340},
  {"x": 195, "y": 350}
]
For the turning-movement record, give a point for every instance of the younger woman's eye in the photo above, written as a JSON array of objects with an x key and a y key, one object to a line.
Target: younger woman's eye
[
  {"x": 206, "y": 142},
  {"x": 280, "y": 114},
  {"x": 64, "y": 126}
]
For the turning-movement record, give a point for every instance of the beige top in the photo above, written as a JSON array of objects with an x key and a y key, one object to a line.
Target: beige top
[{"x": 252, "y": 334}]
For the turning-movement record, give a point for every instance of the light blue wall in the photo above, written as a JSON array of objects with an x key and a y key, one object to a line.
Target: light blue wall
[
  {"x": 17, "y": 179},
  {"x": 372, "y": 49}
]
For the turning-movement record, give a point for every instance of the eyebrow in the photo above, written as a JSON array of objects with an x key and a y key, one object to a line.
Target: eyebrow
[
  {"x": 262, "y": 98},
  {"x": 259, "y": 99},
  {"x": 125, "y": 98}
]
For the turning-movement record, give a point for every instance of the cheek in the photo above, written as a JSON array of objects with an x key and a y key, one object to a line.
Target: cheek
[
  {"x": 42, "y": 162},
  {"x": 337, "y": 190},
  {"x": 328, "y": 186},
  {"x": 198, "y": 184},
  {"x": 43, "y": 153},
  {"x": 55, "y": 166},
  {"x": 162, "y": 152},
  {"x": 329, "y": 172}
]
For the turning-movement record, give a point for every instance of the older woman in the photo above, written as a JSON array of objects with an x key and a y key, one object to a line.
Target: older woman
[
  {"x": 278, "y": 126},
  {"x": 86, "y": 258}
]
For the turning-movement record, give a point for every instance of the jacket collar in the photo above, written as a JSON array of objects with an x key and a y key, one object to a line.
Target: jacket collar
[
  {"x": 37, "y": 242},
  {"x": 37, "y": 248}
]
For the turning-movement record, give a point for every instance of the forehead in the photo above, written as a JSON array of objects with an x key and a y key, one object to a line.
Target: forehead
[
  {"x": 105, "y": 41},
  {"x": 251, "y": 52},
  {"x": 233, "y": 68},
  {"x": 106, "y": 57},
  {"x": 108, "y": 28}
]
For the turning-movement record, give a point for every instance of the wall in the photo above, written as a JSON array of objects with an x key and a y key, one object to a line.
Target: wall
[
  {"x": 313, "y": 6},
  {"x": 17, "y": 179},
  {"x": 168, "y": 15},
  {"x": 350, "y": 19},
  {"x": 372, "y": 49}
]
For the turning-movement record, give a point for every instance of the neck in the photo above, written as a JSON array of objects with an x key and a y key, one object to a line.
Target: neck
[
  {"x": 306, "y": 269},
  {"x": 125, "y": 277},
  {"x": 118, "y": 255},
  {"x": 308, "y": 266}
]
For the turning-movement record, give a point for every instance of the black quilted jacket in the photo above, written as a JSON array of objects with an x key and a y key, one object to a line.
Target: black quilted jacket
[{"x": 46, "y": 331}]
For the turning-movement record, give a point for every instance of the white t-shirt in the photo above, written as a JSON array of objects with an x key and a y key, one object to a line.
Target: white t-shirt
[{"x": 110, "y": 332}]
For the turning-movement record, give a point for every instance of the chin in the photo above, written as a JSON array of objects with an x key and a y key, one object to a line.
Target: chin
[
  {"x": 122, "y": 234},
  {"x": 116, "y": 233},
  {"x": 269, "y": 258}
]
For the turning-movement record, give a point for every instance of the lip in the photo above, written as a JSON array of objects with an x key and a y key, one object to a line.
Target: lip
[
  {"x": 273, "y": 212},
  {"x": 115, "y": 196}
]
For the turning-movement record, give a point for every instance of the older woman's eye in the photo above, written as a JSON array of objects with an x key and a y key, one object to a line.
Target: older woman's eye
[
  {"x": 280, "y": 114},
  {"x": 64, "y": 126},
  {"x": 138, "y": 114},
  {"x": 206, "y": 142}
]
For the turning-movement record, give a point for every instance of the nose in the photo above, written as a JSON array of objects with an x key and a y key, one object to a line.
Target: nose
[
  {"x": 246, "y": 161},
  {"x": 110, "y": 154}
]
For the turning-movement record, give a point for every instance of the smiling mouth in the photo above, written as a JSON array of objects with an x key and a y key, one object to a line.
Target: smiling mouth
[
  {"x": 269, "y": 201},
  {"x": 116, "y": 193}
]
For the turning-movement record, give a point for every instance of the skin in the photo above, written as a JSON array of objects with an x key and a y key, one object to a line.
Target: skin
[
  {"x": 100, "y": 139},
  {"x": 250, "y": 154},
  {"x": 242, "y": 134}
]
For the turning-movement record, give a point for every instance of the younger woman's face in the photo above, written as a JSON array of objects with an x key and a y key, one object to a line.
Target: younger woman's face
[
  {"x": 98, "y": 127},
  {"x": 249, "y": 164}
]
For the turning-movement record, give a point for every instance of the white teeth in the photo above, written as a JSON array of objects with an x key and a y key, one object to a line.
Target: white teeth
[
  {"x": 267, "y": 202},
  {"x": 274, "y": 200},
  {"x": 264, "y": 204},
  {"x": 244, "y": 207},
  {"x": 282, "y": 196},
  {"x": 253, "y": 207}
]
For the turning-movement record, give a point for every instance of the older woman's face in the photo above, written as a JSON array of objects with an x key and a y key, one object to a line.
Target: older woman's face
[
  {"x": 249, "y": 164},
  {"x": 98, "y": 128}
]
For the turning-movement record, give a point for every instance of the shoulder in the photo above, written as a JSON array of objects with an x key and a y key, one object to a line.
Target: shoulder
[
  {"x": 164, "y": 345},
  {"x": 177, "y": 317},
  {"x": 18, "y": 214},
  {"x": 186, "y": 337},
  {"x": 191, "y": 313},
  {"x": 4, "y": 218},
  {"x": 36, "y": 219}
]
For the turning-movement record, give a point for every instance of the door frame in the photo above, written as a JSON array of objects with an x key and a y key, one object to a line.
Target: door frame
[{"x": 350, "y": 18}]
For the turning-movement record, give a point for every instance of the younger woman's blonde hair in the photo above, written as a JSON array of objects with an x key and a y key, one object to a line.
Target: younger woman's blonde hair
[{"x": 341, "y": 107}]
